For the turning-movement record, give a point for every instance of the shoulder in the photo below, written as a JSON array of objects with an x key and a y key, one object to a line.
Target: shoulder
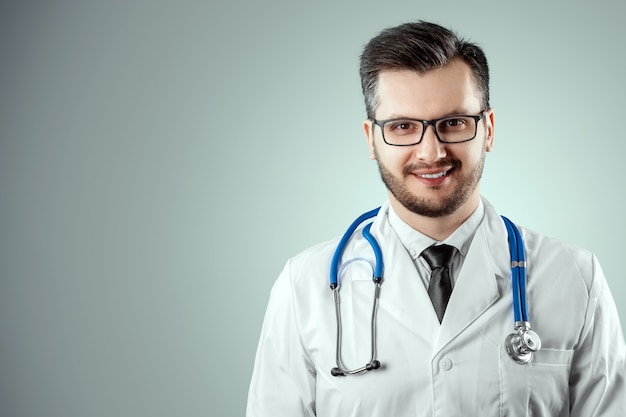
[
  {"x": 308, "y": 269},
  {"x": 313, "y": 259},
  {"x": 547, "y": 253},
  {"x": 550, "y": 260}
]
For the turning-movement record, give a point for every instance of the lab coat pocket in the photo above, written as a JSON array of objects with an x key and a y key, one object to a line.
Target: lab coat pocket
[
  {"x": 549, "y": 382},
  {"x": 539, "y": 388}
]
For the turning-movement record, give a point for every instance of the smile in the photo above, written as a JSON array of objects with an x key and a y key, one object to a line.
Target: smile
[{"x": 437, "y": 175}]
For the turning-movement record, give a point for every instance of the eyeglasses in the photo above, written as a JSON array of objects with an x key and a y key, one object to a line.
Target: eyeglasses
[{"x": 449, "y": 129}]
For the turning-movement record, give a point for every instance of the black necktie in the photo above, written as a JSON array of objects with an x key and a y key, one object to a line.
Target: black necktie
[{"x": 439, "y": 258}]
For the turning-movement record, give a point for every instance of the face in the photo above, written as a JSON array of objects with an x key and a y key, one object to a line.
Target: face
[{"x": 431, "y": 179}]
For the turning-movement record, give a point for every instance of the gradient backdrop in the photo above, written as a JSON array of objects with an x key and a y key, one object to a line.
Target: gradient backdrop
[{"x": 160, "y": 161}]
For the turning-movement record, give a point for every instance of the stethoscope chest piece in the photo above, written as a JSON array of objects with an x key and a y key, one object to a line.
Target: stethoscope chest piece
[{"x": 521, "y": 345}]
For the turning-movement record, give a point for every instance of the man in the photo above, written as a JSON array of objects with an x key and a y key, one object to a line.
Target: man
[{"x": 440, "y": 330}]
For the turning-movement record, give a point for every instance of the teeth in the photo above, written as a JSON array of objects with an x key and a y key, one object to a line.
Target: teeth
[{"x": 438, "y": 175}]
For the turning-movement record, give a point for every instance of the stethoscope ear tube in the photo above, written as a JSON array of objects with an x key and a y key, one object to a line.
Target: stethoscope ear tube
[{"x": 340, "y": 369}]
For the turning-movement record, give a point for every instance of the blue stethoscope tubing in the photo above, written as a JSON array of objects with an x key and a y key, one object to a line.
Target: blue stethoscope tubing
[
  {"x": 523, "y": 342},
  {"x": 518, "y": 271},
  {"x": 519, "y": 345},
  {"x": 378, "y": 254}
]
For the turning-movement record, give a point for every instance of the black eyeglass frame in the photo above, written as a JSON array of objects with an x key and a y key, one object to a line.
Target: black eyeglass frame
[{"x": 426, "y": 123}]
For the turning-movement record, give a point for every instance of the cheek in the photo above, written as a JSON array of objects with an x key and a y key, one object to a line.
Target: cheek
[
  {"x": 470, "y": 156},
  {"x": 393, "y": 160}
]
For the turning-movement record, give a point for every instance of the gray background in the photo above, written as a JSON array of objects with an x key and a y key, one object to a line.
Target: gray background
[{"x": 159, "y": 161}]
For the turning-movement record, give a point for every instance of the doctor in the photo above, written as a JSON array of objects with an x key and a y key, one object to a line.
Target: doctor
[{"x": 437, "y": 358}]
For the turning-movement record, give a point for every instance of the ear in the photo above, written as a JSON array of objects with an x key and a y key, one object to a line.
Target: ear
[
  {"x": 368, "y": 127},
  {"x": 489, "y": 123}
]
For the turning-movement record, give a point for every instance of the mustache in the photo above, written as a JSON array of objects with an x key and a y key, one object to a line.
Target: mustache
[{"x": 444, "y": 163}]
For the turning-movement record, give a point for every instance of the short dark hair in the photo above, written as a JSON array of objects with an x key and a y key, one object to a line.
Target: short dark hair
[{"x": 420, "y": 46}]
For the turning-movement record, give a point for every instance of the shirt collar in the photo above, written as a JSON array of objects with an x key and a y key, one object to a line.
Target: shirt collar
[{"x": 415, "y": 242}]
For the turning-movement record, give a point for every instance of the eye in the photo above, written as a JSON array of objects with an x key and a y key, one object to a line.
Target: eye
[
  {"x": 402, "y": 127},
  {"x": 454, "y": 124}
]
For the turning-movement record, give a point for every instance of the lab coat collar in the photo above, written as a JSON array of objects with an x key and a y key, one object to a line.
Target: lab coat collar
[{"x": 415, "y": 241}]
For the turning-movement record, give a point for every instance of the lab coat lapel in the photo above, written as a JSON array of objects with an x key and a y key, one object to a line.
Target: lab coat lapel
[
  {"x": 476, "y": 288},
  {"x": 403, "y": 294}
]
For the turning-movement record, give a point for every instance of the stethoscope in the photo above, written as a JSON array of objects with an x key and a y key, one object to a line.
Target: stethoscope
[{"x": 519, "y": 345}]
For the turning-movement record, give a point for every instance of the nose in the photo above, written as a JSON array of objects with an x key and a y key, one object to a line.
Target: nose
[{"x": 430, "y": 149}]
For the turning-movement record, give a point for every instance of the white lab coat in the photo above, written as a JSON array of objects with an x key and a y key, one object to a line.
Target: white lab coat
[{"x": 458, "y": 368}]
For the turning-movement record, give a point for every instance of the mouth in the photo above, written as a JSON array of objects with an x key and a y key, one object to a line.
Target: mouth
[
  {"x": 434, "y": 178},
  {"x": 434, "y": 175}
]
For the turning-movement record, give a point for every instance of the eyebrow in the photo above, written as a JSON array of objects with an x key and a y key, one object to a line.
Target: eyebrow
[{"x": 455, "y": 112}]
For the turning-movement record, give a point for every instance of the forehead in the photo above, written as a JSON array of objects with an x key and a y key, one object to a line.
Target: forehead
[{"x": 446, "y": 90}]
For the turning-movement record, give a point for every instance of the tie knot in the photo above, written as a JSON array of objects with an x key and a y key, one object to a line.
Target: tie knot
[{"x": 438, "y": 256}]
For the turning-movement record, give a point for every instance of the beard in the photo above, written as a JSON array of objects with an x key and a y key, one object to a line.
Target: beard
[{"x": 428, "y": 206}]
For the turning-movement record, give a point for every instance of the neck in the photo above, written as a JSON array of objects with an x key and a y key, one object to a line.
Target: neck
[{"x": 437, "y": 228}]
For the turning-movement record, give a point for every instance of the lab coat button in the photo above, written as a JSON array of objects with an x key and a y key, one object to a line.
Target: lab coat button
[{"x": 446, "y": 364}]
